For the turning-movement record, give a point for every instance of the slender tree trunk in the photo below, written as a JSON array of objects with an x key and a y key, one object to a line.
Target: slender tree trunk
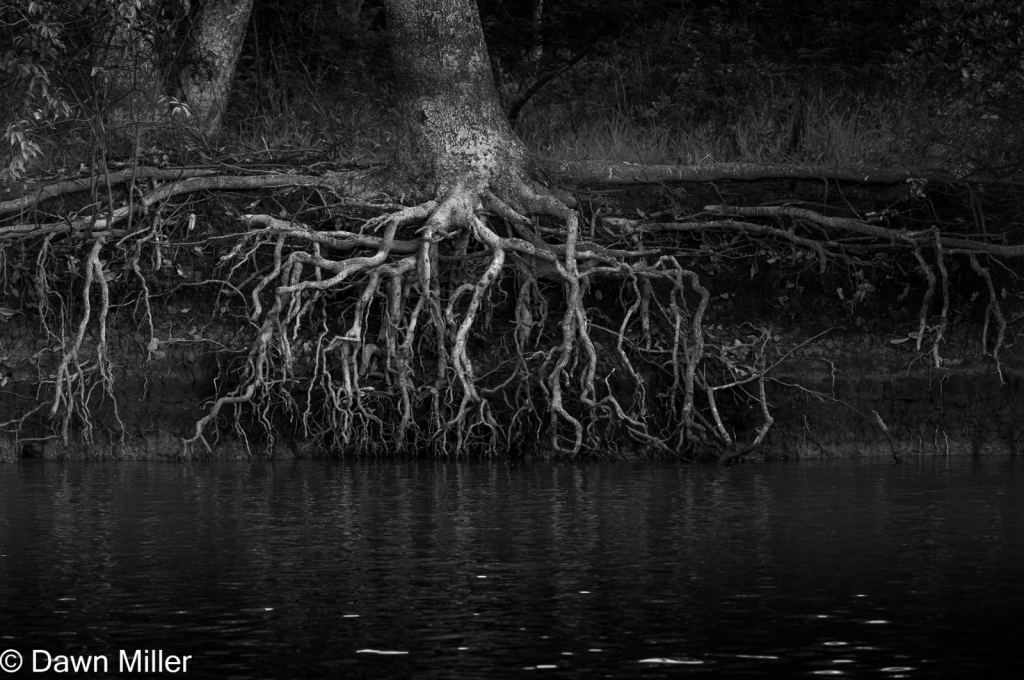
[
  {"x": 454, "y": 127},
  {"x": 218, "y": 40},
  {"x": 536, "y": 50},
  {"x": 128, "y": 80},
  {"x": 349, "y": 11}
]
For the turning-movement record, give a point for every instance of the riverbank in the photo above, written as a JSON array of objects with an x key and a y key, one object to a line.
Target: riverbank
[
  {"x": 868, "y": 345},
  {"x": 823, "y": 397}
]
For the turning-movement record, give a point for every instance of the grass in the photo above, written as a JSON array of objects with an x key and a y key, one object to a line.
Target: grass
[
  {"x": 352, "y": 127},
  {"x": 346, "y": 124},
  {"x": 576, "y": 119},
  {"x": 834, "y": 133}
]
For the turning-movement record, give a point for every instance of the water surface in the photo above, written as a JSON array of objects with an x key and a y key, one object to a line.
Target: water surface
[{"x": 313, "y": 569}]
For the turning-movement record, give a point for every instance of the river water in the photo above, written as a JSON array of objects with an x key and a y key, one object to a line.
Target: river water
[{"x": 310, "y": 569}]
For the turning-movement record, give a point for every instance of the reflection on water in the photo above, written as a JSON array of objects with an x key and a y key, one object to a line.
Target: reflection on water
[{"x": 477, "y": 570}]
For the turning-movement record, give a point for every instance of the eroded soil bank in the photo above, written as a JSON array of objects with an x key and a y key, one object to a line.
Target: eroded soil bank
[
  {"x": 824, "y": 396},
  {"x": 847, "y": 374}
]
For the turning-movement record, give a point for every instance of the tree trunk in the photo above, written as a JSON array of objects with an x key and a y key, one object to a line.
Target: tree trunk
[
  {"x": 454, "y": 127},
  {"x": 218, "y": 41},
  {"x": 128, "y": 80}
]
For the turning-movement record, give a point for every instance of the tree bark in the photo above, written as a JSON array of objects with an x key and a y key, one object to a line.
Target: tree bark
[
  {"x": 454, "y": 127},
  {"x": 218, "y": 40}
]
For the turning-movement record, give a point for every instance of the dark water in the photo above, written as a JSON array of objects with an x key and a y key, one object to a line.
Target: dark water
[{"x": 293, "y": 570}]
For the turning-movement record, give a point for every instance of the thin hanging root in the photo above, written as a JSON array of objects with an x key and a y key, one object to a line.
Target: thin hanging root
[
  {"x": 569, "y": 331},
  {"x": 694, "y": 347},
  {"x": 152, "y": 344},
  {"x": 256, "y": 379},
  {"x": 70, "y": 394},
  {"x": 765, "y": 413},
  {"x": 720, "y": 431},
  {"x": 102, "y": 360},
  {"x": 940, "y": 257},
  {"x": 645, "y": 312},
  {"x": 405, "y": 372},
  {"x": 460, "y": 360},
  {"x": 927, "y": 301},
  {"x": 735, "y": 450},
  {"x": 679, "y": 341},
  {"x": 641, "y": 398},
  {"x": 992, "y": 308}
]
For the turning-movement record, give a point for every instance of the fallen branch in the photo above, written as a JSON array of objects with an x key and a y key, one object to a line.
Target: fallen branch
[
  {"x": 342, "y": 183},
  {"x": 597, "y": 173},
  {"x": 47, "y": 191}
]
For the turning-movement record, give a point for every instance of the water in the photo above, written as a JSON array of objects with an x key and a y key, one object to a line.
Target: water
[{"x": 856, "y": 569}]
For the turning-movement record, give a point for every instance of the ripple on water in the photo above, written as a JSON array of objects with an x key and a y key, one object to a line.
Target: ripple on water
[{"x": 471, "y": 570}]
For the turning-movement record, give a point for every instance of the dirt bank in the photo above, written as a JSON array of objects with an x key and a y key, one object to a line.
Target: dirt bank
[
  {"x": 867, "y": 350},
  {"x": 824, "y": 396}
]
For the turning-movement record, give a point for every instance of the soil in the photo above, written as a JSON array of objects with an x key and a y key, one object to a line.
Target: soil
[{"x": 844, "y": 339}]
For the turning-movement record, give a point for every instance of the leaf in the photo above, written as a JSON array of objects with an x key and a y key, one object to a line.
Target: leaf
[{"x": 898, "y": 341}]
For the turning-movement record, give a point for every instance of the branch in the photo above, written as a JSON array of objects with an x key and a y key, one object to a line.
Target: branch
[
  {"x": 596, "y": 173},
  {"x": 846, "y": 224},
  {"x": 69, "y": 186},
  {"x": 345, "y": 183},
  {"x": 513, "y": 114}
]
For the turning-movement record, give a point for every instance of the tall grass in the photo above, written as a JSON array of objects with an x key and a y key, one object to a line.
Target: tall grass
[
  {"x": 839, "y": 129},
  {"x": 345, "y": 121},
  {"x": 613, "y": 116},
  {"x": 836, "y": 130}
]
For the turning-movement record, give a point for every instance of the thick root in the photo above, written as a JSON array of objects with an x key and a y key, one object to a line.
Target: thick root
[
  {"x": 418, "y": 314},
  {"x": 491, "y": 319}
]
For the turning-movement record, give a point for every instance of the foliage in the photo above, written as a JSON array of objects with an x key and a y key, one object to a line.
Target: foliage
[
  {"x": 67, "y": 59},
  {"x": 973, "y": 49},
  {"x": 33, "y": 30},
  {"x": 967, "y": 57}
]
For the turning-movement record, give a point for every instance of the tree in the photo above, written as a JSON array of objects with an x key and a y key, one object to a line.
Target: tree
[
  {"x": 126, "y": 78},
  {"x": 206, "y": 83},
  {"x": 477, "y": 317},
  {"x": 455, "y": 132},
  {"x": 458, "y": 152}
]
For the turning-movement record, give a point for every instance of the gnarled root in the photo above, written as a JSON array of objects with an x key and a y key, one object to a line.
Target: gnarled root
[
  {"x": 420, "y": 346},
  {"x": 491, "y": 319}
]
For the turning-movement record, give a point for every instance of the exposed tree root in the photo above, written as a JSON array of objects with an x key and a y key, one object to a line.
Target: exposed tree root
[{"x": 490, "y": 319}]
